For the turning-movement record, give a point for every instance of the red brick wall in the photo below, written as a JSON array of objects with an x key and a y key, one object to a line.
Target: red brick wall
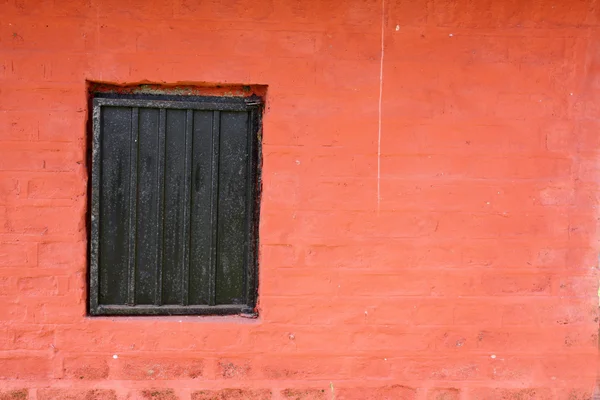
[{"x": 450, "y": 255}]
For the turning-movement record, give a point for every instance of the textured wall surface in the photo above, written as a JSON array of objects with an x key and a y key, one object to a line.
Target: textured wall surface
[{"x": 429, "y": 212}]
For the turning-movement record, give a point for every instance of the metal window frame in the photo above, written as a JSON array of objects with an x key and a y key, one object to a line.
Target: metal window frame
[{"x": 253, "y": 105}]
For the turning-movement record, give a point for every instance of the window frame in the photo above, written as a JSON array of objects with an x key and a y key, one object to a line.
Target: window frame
[{"x": 254, "y": 106}]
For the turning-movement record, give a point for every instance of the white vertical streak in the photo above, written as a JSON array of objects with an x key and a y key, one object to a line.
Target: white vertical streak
[{"x": 380, "y": 104}]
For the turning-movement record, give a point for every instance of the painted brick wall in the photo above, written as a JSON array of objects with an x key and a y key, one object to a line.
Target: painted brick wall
[{"x": 433, "y": 240}]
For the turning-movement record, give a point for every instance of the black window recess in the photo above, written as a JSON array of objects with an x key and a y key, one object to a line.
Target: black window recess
[{"x": 174, "y": 205}]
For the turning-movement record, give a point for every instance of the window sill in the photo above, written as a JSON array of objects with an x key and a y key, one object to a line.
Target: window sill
[{"x": 175, "y": 311}]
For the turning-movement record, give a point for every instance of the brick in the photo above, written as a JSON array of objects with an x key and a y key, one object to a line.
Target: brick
[
  {"x": 13, "y": 311},
  {"x": 490, "y": 14},
  {"x": 448, "y": 369},
  {"x": 395, "y": 392},
  {"x": 405, "y": 14},
  {"x": 575, "y": 286},
  {"x": 62, "y": 98},
  {"x": 573, "y": 13},
  {"x": 6, "y": 339},
  {"x": 241, "y": 11},
  {"x": 79, "y": 339},
  {"x": 41, "y": 221},
  {"x": 504, "y": 368},
  {"x": 57, "y": 70},
  {"x": 30, "y": 34},
  {"x": 477, "y": 14},
  {"x": 557, "y": 195},
  {"x": 302, "y": 82},
  {"x": 490, "y": 56},
  {"x": 511, "y": 394},
  {"x": 86, "y": 367},
  {"x": 522, "y": 106},
  {"x": 239, "y": 42},
  {"x": 418, "y": 103},
  {"x": 61, "y": 310},
  {"x": 342, "y": 225},
  {"x": 466, "y": 195},
  {"x": 320, "y": 165},
  {"x": 480, "y": 314},
  {"x": 583, "y": 136},
  {"x": 21, "y": 69},
  {"x": 295, "y": 368},
  {"x": 59, "y": 186},
  {"x": 25, "y": 367},
  {"x": 537, "y": 50},
  {"x": 297, "y": 43},
  {"x": 39, "y": 286},
  {"x": 474, "y": 167},
  {"x": 422, "y": 283},
  {"x": 115, "y": 9},
  {"x": 443, "y": 394},
  {"x": 10, "y": 190},
  {"x": 159, "y": 394},
  {"x": 22, "y": 394},
  {"x": 232, "y": 394},
  {"x": 288, "y": 191},
  {"x": 483, "y": 225},
  {"x": 588, "y": 170},
  {"x": 35, "y": 338},
  {"x": 283, "y": 255},
  {"x": 379, "y": 311},
  {"x": 40, "y": 160},
  {"x": 585, "y": 195},
  {"x": 155, "y": 368},
  {"x": 292, "y": 133},
  {"x": 549, "y": 313},
  {"x": 18, "y": 126},
  {"x": 574, "y": 394},
  {"x": 562, "y": 367},
  {"x": 529, "y": 340},
  {"x": 435, "y": 313},
  {"x": 461, "y": 138},
  {"x": 387, "y": 256},
  {"x": 14, "y": 254},
  {"x": 332, "y": 46},
  {"x": 52, "y": 254},
  {"x": 76, "y": 394},
  {"x": 373, "y": 367},
  {"x": 382, "y": 338},
  {"x": 304, "y": 394},
  {"x": 62, "y": 126},
  {"x": 233, "y": 369},
  {"x": 535, "y": 283}
]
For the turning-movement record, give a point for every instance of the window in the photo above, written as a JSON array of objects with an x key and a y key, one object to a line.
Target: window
[{"x": 174, "y": 205}]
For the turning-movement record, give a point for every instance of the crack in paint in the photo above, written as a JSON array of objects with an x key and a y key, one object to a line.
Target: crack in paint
[{"x": 380, "y": 104}]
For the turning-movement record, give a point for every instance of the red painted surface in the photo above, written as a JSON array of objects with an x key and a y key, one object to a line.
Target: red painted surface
[{"x": 473, "y": 275}]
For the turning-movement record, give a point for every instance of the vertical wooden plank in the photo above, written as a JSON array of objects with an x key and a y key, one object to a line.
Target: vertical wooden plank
[
  {"x": 115, "y": 204},
  {"x": 251, "y": 212},
  {"x": 214, "y": 209},
  {"x": 174, "y": 206},
  {"x": 185, "y": 226},
  {"x": 201, "y": 246},
  {"x": 95, "y": 207},
  {"x": 133, "y": 173},
  {"x": 232, "y": 236},
  {"x": 148, "y": 211},
  {"x": 160, "y": 199}
]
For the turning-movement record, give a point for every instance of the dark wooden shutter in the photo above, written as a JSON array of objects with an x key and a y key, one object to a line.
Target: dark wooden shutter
[{"x": 173, "y": 210}]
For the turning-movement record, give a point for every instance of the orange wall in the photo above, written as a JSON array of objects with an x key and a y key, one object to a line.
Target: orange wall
[{"x": 436, "y": 240}]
